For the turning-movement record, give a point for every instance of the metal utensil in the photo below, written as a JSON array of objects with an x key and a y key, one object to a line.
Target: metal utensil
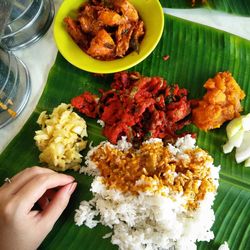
[
  {"x": 28, "y": 21},
  {"x": 14, "y": 86},
  {"x": 5, "y": 11}
]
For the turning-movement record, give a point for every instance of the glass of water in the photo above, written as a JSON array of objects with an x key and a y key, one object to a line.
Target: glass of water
[
  {"x": 15, "y": 86},
  {"x": 25, "y": 21}
]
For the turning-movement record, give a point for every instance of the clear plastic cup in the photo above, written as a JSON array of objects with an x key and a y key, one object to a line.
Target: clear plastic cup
[
  {"x": 15, "y": 87},
  {"x": 28, "y": 21}
]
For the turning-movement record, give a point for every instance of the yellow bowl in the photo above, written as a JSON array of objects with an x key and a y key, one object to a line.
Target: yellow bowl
[{"x": 150, "y": 12}]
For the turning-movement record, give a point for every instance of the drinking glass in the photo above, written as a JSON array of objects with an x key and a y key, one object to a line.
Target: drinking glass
[
  {"x": 15, "y": 86},
  {"x": 26, "y": 21}
]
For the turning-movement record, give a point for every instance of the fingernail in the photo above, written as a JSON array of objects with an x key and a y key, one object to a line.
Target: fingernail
[
  {"x": 72, "y": 187},
  {"x": 71, "y": 177}
]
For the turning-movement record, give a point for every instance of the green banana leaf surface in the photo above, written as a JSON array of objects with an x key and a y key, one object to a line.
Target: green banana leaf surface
[
  {"x": 239, "y": 7},
  {"x": 196, "y": 53}
]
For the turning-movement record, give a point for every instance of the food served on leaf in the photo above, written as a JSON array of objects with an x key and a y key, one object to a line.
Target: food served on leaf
[
  {"x": 61, "y": 138},
  {"x": 137, "y": 107},
  {"x": 106, "y": 30},
  {"x": 156, "y": 197},
  {"x": 238, "y": 133},
  {"x": 221, "y": 103}
]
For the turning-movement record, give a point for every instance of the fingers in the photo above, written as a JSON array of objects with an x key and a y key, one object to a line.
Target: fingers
[
  {"x": 33, "y": 190},
  {"x": 55, "y": 208},
  {"x": 46, "y": 198},
  {"x": 18, "y": 197},
  {"x": 19, "y": 180}
]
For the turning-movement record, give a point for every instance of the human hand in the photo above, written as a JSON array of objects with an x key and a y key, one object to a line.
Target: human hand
[{"x": 21, "y": 227}]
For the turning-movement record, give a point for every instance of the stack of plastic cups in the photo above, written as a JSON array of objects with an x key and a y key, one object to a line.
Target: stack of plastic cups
[{"x": 22, "y": 22}]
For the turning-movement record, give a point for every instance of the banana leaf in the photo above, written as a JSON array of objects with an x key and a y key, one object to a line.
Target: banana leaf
[
  {"x": 239, "y": 7},
  {"x": 196, "y": 53}
]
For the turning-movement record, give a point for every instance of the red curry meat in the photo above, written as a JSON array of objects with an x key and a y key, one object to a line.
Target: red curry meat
[{"x": 138, "y": 107}]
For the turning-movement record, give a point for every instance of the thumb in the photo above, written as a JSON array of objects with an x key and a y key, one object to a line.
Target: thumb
[{"x": 55, "y": 208}]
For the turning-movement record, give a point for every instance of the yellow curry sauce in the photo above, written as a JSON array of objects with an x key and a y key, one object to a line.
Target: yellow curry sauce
[{"x": 154, "y": 168}]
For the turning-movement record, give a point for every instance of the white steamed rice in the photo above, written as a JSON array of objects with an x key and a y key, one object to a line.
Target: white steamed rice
[{"x": 148, "y": 221}]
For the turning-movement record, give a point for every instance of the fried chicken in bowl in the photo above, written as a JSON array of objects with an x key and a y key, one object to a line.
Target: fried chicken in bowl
[{"x": 117, "y": 35}]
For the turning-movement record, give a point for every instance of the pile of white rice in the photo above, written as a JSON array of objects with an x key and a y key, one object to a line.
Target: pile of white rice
[{"x": 148, "y": 221}]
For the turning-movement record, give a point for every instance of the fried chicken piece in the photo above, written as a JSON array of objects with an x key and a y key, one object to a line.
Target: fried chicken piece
[
  {"x": 75, "y": 32},
  {"x": 138, "y": 33},
  {"x": 111, "y": 27},
  {"x": 89, "y": 10},
  {"x": 102, "y": 46},
  {"x": 110, "y": 18},
  {"x": 221, "y": 103},
  {"x": 127, "y": 9},
  {"x": 123, "y": 36},
  {"x": 90, "y": 26},
  {"x": 86, "y": 24},
  {"x": 87, "y": 18}
]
